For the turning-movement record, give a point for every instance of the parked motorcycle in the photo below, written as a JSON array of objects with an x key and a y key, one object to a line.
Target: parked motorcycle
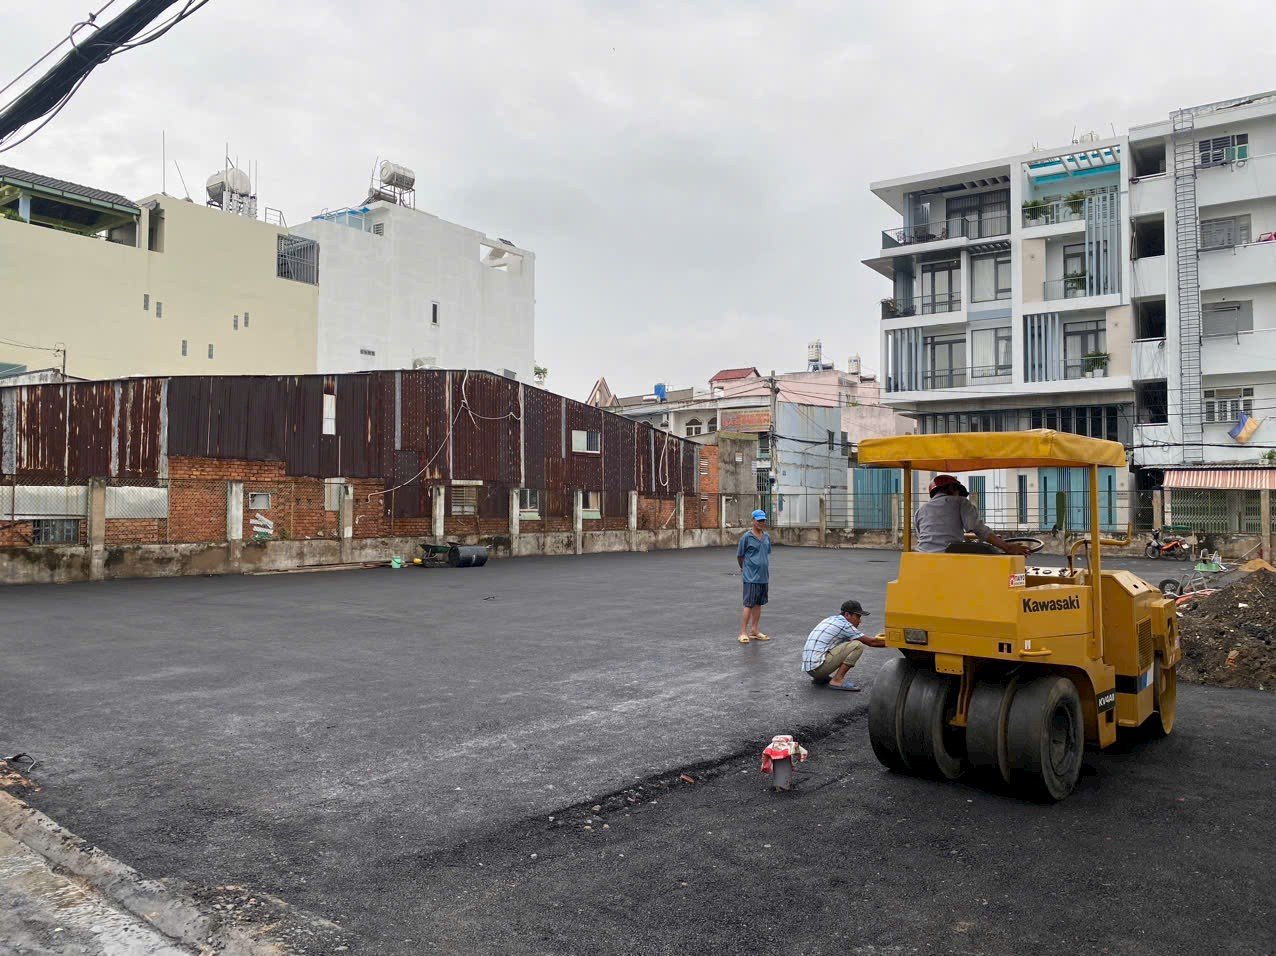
[{"x": 1172, "y": 548}]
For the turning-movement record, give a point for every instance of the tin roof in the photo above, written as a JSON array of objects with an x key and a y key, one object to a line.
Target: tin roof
[
  {"x": 731, "y": 374},
  {"x": 1232, "y": 479},
  {"x": 9, "y": 176}
]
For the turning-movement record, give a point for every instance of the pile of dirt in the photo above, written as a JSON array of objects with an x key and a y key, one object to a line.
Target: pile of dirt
[{"x": 1229, "y": 640}]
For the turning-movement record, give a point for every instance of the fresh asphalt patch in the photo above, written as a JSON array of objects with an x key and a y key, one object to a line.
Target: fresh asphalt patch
[{"x": 384, "y": 749}]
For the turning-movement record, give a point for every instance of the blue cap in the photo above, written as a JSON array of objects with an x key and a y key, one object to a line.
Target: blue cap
[{"x": 759, "y": 515}]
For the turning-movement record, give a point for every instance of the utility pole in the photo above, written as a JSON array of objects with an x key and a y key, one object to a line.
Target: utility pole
[{"x": 772, "y": 480}]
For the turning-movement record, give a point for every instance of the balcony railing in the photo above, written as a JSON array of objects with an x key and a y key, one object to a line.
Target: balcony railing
[
  {"x": 1069, "y": 287},
  {"x": 1049, "y": 213},
  {"x": 920, "y": 305},
  {"x": 1086, "y": 368},
  {"x": 989, "y": 371},
  {"x": 983, "y": 228},
  {"x": 944, "y": 378}
]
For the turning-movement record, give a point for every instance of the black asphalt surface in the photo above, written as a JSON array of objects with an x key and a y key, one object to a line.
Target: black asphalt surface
[{"x": 385, "y": 748}]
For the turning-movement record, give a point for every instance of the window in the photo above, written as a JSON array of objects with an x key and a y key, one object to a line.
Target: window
[
  {"x": 1148, "y": 237},
  {"x": 245, "y": 320},
  {"x": 1149, "y": 319},
  {"x": 1225, "y": 405},
  {"x": 1085, "y": 349},
  {"x": 234, "y": 323},
  {"x": 990, "y": 277},
  {"x": 764, "y": 445},
  {"x": 591, "y": 504},
  {"x": 946, "y": 360},
  {"x": 1151, "y": 400},
  {"x": 1022, "y": 516},
  {"x": 146, "y": 302},
  {"x": 159, "y": 310},
  {"x": 329, "y": 413},
  {"x": 1227, "y": 318},
  {"x": 1223, "y": 149},
  {"x": 587, "y": 442},
  {"x": 990, "y": 352},
  {"x": 297, "y": 258},
  {"x": 210, "y": 349},
  {"x": 464, "y": 500},
  {"x": 694, "y": 428},
  {"x": 183, "y": 347},
  {"x": 941, "y": 287},
  {"x": 1074, "y": 270},
  {"x": 978, "y": 485},
  {"x": 434, "y": 313},
  {"x": 713, "y": 425},
  {"x": 529, "y": 503},
  {"x": 378, "y": 229},
  {"x": 259, "y": 500},
  {"x": 367, "y": 351},
  {"x": 1225, "y": 233},
  {"x": 55, "y": 531}
]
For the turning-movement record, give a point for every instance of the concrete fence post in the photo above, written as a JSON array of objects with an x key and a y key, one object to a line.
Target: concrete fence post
[
  {"x": 345, "y": 522},
  {"x": 95, "y": 512},
  {"x": 234, "y": 524},
  {"x": 515, "y": 517},
  {"x": 438, "y": 514},
  {"x": 1265, "y": 516},
  {"x": 680, "y": 514},
  {"x": 631, "y": 522},
  {"x": 895, "y": 529},
  {"x": 824, "y": 518},
  {"x": 578, "y": 521}
]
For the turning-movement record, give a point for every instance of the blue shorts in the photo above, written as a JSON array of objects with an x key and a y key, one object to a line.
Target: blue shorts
[{"x": 755, "y": 595}]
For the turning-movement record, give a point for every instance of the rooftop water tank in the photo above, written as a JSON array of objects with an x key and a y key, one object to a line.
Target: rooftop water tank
[
  {"x": 228, "y": 181},
  {"x": 660, "y": 391},
  {"x": 396, "y": 176}
]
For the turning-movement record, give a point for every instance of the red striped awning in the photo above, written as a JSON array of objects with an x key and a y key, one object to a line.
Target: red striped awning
[{"x": 1228, "y": 479}]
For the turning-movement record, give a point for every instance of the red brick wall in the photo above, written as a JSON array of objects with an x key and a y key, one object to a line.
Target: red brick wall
[
  {"x": 702, "y": 509},
  {"x": 655, "y": 514},
  {"x": 121, "y": 531},
  {"x": 17, "y": 534}
]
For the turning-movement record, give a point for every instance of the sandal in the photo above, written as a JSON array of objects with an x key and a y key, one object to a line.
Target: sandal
[
  {"x": 759, "y": 637},
  {"x": 743, "y": 638}
]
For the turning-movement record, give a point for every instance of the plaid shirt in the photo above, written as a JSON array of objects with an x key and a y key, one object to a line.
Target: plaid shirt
[{"x": 829, "y": 633}]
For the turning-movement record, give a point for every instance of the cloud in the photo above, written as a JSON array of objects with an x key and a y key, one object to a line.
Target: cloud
[{"x": 692, "y": 176}]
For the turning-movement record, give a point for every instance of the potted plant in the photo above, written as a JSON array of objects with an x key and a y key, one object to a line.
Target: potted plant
[
  {"x": 1076, "y": 202},
  {"x": 1074, "y": 282},
  {"x": 1094, "y": 364},
  {"x": 1034, "y": 211}
]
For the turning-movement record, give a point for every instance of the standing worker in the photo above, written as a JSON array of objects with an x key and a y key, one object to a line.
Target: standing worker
[
  {"x": 754, "y": 557},
  {"x": 943, "y": 521}
]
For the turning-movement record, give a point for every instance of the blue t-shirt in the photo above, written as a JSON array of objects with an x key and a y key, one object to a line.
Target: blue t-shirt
[{"x": 757, "y": 557}]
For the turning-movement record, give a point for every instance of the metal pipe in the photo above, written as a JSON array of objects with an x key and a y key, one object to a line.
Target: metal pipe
[
  {"x": 907, "y": 523},
  {"x": 1095, "y": 569}
]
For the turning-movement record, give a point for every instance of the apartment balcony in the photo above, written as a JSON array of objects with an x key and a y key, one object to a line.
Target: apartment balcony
[
  {"x": 1150, "y": 276},
  {"x": 986, "y": 227},
  {"x": 1241, "y": 354},
  {"x": 1069, "y": 287},
  {"x": 1229, "y": 267},
  {"x": 1071, "y": 212},
  {"x": 1148, "y": 360},
  {"x": 1236, "y": 182},
  {"x": 920, "y": 305}
]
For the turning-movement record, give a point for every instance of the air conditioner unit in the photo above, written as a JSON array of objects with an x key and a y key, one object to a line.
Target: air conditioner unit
[
  {"x": 427, "y": 361},
  {"x": 664, "y": 422}
]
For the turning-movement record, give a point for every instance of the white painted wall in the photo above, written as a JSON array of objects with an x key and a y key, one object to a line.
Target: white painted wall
[{"x": 376, "y": 293}]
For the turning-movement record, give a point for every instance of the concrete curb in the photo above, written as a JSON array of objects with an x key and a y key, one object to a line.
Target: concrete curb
[{"x": 173, "y": 914}]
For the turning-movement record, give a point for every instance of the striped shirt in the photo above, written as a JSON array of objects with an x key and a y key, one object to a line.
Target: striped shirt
[{"x": 828, "y": 634}]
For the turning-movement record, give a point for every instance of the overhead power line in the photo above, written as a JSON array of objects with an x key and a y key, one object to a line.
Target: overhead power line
[{"x": 91, "y": 46}]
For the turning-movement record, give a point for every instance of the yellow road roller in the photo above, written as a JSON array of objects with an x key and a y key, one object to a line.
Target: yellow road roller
[{"x": 1008, "y": 670}]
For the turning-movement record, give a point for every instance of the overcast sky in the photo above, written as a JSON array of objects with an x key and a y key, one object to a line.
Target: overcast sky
[{"x": 691, "y": 176}]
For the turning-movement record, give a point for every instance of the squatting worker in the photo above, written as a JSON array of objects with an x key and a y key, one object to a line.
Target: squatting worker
[
  {"x": 834, "y": 645},
  {"x": 944, "y": 520},
  {"x": 754, "y": 557}
]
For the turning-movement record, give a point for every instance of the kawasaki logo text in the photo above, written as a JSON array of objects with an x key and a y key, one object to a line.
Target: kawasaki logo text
[{"x": 1054, "y": 604}]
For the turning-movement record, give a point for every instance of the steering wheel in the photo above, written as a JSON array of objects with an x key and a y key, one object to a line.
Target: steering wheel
[{"x": 1034, "y": 544}]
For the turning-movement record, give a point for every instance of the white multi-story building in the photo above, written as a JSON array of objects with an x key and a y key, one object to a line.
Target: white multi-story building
[
  {"x": 1121, "y": 287},
  {"x": 402, "y": 288}
]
